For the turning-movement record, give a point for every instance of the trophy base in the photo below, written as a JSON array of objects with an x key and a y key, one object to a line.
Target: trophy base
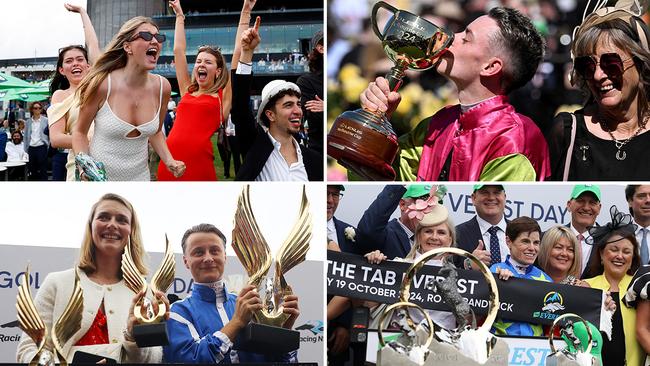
[
  {"x": 388, "y": 356},
  {"x": 560, "y": 359},
  {"x": 453, "y": 357},
  {"x": 365, "y": 143},
  {"x": 150, "y": 335},
  {"x": 267, "y": 339}
]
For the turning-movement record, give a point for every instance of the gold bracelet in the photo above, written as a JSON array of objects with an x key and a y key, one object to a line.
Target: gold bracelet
[{"x": 180, "y": 16}]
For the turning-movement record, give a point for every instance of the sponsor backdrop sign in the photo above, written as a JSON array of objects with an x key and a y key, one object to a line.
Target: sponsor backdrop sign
[
  {"x": 545, "y": 203},
  {"x": 304, "y": 278},
  {"x": 520, "y": 299}
]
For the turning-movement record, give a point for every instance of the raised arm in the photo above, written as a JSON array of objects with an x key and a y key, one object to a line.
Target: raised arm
[
  {"x": 244, "y": 24},
  {"x": 92, "y": 43},
  {"x": 244, "y": 21},
  {"x": 180, "y": 47}
]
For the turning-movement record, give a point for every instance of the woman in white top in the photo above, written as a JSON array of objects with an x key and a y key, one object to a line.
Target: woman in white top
[
  {"x": 107, "y": 318},
  {"x": 128, "y": 105}
]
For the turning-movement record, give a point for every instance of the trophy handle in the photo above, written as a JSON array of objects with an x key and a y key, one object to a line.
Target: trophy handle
[
  {"x": 494, "y": 291},
  {"x": 373, "y": 17},
  {"x": 570, "y": 315},
  {"x": 405, "y": 304}
]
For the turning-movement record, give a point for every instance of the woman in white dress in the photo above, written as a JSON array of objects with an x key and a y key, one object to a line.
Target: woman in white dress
[{"x": 128, "y": 105}]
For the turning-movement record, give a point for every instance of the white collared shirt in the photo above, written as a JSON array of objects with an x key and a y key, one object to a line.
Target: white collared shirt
[
  {"x": 408, "y": 232},
  {"x": 585, "y": 249},
  {"x": 484, "y": 226},
  {"x": 639, "y": 236},
  {"x": 277, "y": 168},
  {"x": 16, "y": 152},
  {"x": 331, "y": 230},
  {"x": 36, "y": 138}
]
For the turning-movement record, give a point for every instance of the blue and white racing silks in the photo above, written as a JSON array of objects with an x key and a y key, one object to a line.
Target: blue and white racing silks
[{"x": 195, "y": 335}]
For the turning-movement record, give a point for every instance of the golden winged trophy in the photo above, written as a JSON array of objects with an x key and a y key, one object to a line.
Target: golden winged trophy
[
  {"x": 265, "y": 334},
  {"x": 49, "y": 342},
  {"x": 151, "y": 329}
]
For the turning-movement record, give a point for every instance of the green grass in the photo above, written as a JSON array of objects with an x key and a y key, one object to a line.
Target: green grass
[{"x": 154, "y": 160}]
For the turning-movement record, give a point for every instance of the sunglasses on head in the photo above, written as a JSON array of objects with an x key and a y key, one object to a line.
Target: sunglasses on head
[
  {"x": 148, "y": 36},
  {"x": 610, "y": 63}
]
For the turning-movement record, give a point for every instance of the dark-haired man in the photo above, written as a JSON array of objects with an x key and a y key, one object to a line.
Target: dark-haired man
[
  {"x": 483, "y": 138},
  {"x": 272, "y": 153},
  {"x": 203, "y": 326}
]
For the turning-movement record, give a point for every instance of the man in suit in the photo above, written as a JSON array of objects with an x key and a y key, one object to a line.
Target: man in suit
[
  {"x": 394, "y": 238},
  {"x": 272, "y": 153},
  {"x": 335, "y": 227},
  {"x": 584, "y": 205},
  {"x": 484, "y": 235},
  {"x": 638, "y": 198}
]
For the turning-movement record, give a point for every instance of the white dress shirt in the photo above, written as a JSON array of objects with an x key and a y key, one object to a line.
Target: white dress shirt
[
  {"x": 277, "y": 168},
  {"x": 36, "y": 138},
  {"x": 585, "y": 249},
  {"x": 331, "y": 230},
  {"x": 16, "y": 152},
  {"x": 484, "y": 226},
  {"x": 639, "y": 237}
]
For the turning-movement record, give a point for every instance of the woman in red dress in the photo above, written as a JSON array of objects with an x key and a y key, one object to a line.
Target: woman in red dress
[{"x": 205, "y": 101}]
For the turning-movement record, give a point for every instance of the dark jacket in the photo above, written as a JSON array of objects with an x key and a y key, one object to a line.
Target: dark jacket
[
  {"x": 254, "y": 143},
  {"x": 344, "y": 243},
  {"x": 467, "y": 236},
  {"x": 375, "y": 232},
  {"x": 311, "y": 85}
]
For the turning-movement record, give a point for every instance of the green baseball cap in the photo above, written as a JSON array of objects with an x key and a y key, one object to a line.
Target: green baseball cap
[
  {"x": 417, "y": 190},
  {"x": 479, "y": 186},
  {"x": 582, "y": 188},
  {"x": 580, "y": 331}
]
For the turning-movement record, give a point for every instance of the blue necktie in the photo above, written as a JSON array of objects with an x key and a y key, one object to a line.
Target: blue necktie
[
  {"x": 495, "y": 251},
  {"x": 644, "y": 246}
]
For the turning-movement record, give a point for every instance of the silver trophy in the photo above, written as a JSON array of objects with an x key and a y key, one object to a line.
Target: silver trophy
[{"x": 464, "y": 345}]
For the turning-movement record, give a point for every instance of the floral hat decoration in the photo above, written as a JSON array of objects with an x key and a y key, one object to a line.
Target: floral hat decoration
[
  {"x": 621, "y": 224},
  {"x": 430, "y": 211}
]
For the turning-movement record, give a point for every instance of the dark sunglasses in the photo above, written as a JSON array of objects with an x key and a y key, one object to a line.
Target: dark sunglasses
[
  {"x": 148, "y": 36},
  {"x": 610, "y": 63}
]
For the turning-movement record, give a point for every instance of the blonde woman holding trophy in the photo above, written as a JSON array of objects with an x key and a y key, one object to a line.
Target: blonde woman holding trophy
[{"x": 107, "y": 318}]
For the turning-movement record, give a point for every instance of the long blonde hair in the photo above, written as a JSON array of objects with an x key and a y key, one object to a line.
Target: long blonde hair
[
  {"x": 221, "y": 80},
  {"x": 87, "y": 252},
  {"x": 552, "y": 236},
  {"x": 113, "y": 58}
]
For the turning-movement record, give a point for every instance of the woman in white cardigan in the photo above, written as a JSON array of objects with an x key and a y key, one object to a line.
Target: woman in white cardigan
[{"x": 107, "y": 320}]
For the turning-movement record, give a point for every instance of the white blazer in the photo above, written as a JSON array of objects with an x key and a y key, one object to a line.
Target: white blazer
[{"x": 51, "y": 300}]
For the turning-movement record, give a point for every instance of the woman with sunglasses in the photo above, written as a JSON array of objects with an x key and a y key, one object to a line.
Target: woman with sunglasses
[
  {"x": 607, "y": 139},
  {"x": 205, "y": 102},
  {"x": 128, "y": 105},
  {"x": 72, "y": 65}
]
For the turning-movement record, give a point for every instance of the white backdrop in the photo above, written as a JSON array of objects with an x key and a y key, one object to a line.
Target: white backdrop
[{"x": 545, "y": 203}]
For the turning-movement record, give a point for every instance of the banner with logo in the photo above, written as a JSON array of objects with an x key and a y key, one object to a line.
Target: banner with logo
[
  {"x": 520, "y": 299},
  {"x": 305, "y": 279}
]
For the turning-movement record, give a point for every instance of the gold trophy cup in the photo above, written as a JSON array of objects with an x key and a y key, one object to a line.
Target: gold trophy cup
[
  {"x": 265, "y": 334},
  {"x": 49, "y": 342},
  {"x": 151, "y": 329},
  {"x": 364, "y": 141}
]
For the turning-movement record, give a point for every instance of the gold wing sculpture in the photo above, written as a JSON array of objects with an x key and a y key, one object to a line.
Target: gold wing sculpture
[
  {"x": 255, "y": 255},
  {"x": 161, "y": 280},
  {"x": 49, "y": 344}
]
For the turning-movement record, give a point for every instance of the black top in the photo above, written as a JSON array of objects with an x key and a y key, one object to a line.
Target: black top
[
  {"x": 613, "y": 352},
  {"x": 311, "y": 85},
  {"x": 594, "y": 159}
]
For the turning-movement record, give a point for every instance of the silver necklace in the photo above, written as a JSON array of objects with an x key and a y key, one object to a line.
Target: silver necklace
[{"x": 620, "y": 154}]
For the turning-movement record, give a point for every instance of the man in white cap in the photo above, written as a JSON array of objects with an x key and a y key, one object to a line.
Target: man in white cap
[{"x": 272, "y": 153}]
